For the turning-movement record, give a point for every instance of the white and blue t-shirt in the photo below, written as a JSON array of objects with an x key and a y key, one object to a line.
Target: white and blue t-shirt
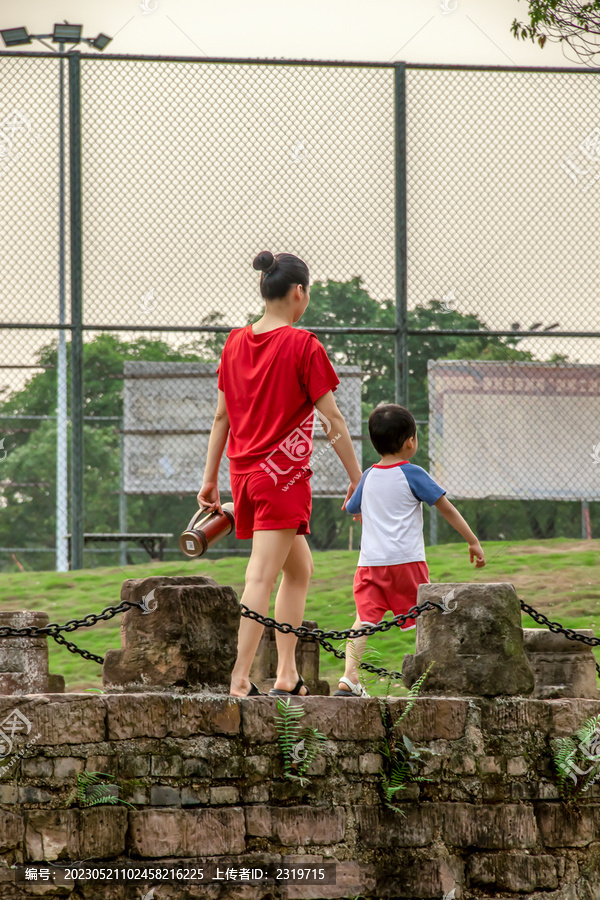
[{"x": 389, "y": 498}]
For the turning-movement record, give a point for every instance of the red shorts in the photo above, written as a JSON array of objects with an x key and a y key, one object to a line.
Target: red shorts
[
  {"x": 378, "y": 589},
  {"x": 261, "y": 505}
]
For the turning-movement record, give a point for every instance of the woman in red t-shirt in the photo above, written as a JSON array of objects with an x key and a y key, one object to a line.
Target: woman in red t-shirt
[{"x": 271, "y": 378}]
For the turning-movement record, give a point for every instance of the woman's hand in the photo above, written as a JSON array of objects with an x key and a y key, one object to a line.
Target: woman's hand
[{"x": 208, "y": 496}]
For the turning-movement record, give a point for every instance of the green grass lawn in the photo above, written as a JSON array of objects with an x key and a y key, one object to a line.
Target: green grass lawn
[{"x": 558, "y": 577}]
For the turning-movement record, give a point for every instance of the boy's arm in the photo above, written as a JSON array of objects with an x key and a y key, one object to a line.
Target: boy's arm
[
  {"x": 337, "y": 432},
  {"x": 452, "y": 515},
  {"x": 209, "y": 492}
]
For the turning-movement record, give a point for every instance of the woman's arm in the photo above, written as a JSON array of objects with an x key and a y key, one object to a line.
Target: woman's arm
[
  {"x": 209, "y": 492},
  {"x": 339, "y": 437}
]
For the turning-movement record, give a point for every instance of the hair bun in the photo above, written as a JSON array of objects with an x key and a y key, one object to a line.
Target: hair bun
[{"x": 264, "y": 262}]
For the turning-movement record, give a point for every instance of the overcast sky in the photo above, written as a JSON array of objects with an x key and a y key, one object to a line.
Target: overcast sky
[
  {"x": 445, "y": 31},
  {"x": 531, "y": 258}
]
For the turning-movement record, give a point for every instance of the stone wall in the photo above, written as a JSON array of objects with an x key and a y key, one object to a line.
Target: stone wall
[{"x": 205, "y": 777}]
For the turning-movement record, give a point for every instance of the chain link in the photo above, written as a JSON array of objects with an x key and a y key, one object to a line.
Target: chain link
[
  {"x": 73, "y": 648},
  {"x": 54, "y": 630}
]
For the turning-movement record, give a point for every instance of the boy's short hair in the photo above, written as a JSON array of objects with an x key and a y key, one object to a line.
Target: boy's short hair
[{"x": 390, "y": 425}]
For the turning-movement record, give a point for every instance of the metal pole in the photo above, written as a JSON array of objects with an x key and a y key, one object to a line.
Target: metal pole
[
  {"x": 62, "y": 468},
  {"x": 122, "y": 496},
  {"x": 433, "y": 523},
  {"x": 77, "y": 525},
  {"x": 586, "y": 526},
  {"x": 401, "y": 343}
]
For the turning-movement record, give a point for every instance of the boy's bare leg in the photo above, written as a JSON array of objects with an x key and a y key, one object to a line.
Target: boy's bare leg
[
  {"x": 354, "y": 654},
  {"x": 289, "y": 607},
  {"x": 270, "y": 550}
]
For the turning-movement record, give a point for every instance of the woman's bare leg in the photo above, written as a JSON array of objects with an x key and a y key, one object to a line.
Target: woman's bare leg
[
  {"x": 289, "y": 607},
  {"x": 269, "y": 552}
]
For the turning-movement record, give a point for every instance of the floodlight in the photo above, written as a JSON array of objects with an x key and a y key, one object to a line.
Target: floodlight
[
  {"x": 67, "y": 34},
  {"x": 101, "y": 41},
  {"x": 14, "y": 36}
]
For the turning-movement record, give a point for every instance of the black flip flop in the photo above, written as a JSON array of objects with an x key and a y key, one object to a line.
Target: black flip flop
[
  {"x": 277, "y": 692},
  {"x": 253, "y": 692}
]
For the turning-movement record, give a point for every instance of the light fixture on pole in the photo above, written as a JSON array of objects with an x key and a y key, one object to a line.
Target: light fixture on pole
[{"x": 64, "y": 33}]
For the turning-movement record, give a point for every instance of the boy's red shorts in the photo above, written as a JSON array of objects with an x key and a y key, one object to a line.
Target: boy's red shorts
[
  {"x": 260, "y": 505},
  {"x": 378, "y": 589}
]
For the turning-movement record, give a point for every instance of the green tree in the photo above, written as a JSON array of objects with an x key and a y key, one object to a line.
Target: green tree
[{"x": 570, "y": 22}]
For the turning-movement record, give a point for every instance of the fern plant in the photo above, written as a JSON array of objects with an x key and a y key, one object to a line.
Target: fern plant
[
  {"x": 573, "y": 759},
  {"x": 299, "y": 749},
  {"x": 98, "y": 795},
  {"x": 401, "y": 758}
]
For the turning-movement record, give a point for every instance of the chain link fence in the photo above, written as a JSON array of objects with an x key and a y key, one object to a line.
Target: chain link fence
[{"x": 445, "y": 214}]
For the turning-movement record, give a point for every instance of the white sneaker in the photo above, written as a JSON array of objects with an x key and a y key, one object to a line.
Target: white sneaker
[{"x": 356, "y": 690}]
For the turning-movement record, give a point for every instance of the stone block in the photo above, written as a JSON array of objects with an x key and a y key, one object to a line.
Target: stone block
[
  {"x": 335, "y": 717},
  {"x": 518, "y": 872},
  {"x": 516, "y": 765},
  {"x": 370, "y": 763},
  {"x": 11, "y": 830},
  {"x": 490, "y": 765},
  {"x": 24, "y": 660},
  {"x": 134, "y": 765},
  {"x": 511, "y": 826},
  {"x": 353, "y": 879},
  {"x": 55, "y": 719},
  {"x": 170, "y": 766},
  {"x": 561, "y": 667},
  {"x": 264, "y": 666},
  {"x": 194, "y": 796},
  {"x": 379, "y": 827},
  {"x": 68, "y": 767},
  {"x": 52, "y": 834},
  {"x": 188, "y": 640},
  {"x": 224, "y": 794},
  {"x": 8, "y": 794},
  {"x": 156, "y": 833},
  {"x": 477, "y": 648},
  {"x": 102, "y": 832},
  {"x": 258, "y": 765},
  {"x": 28, "y": 793},
  {"x": 559, "y": 827},
  {"x": 37, "y": 767},
  {"x": 255, "y": 793},
  {"x": 297, "y": 825},
  {"x": 421, "y": 877},
  {"x": 97, "y": 833},
  {"x": 160, "y": 716},
  {"x": 441, "y": 718},
  {"x": 164, "y": 796},
  {"x": 513, "y": 717}
]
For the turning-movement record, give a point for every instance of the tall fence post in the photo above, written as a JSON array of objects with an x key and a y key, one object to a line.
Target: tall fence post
[
  {"x": 62, "y": 466},
  {"x": 77, "y": 526},
  {"x": 401, "y": 343}
]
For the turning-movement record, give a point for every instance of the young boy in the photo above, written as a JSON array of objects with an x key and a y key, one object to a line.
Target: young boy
[{"x": 388, "y": 499}]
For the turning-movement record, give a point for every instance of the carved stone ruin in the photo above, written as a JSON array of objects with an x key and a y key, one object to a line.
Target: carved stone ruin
[
  {"x": 24, "y": 660},
  {"x": 185, "y": 636},
  {"x": 476, "y": 642},
  {"x": 264, "y": 667},
  {"x": 562, "y": 667}
]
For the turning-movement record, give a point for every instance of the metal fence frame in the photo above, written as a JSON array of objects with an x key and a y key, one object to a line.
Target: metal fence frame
[{"x": 400, "y": 331}]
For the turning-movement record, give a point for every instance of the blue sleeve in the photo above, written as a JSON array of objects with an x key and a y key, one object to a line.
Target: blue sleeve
[
  {"x": 422, "y": 484},
  {"x": 353, "y": 504}
]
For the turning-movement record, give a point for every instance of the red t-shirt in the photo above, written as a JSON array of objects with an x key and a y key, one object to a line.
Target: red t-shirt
[{"x": 271, "y": 382}]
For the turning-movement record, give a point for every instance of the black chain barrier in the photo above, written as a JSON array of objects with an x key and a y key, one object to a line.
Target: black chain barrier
[{"x": 322, "y": 637}]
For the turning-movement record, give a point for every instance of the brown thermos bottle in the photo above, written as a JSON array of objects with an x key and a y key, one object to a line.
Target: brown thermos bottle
[{"x": 200, "y": 535}]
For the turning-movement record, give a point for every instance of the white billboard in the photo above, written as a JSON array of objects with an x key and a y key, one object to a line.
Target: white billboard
[
  {"x": 506, "y": 430},
  {"x": 169, "y": 409}
]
